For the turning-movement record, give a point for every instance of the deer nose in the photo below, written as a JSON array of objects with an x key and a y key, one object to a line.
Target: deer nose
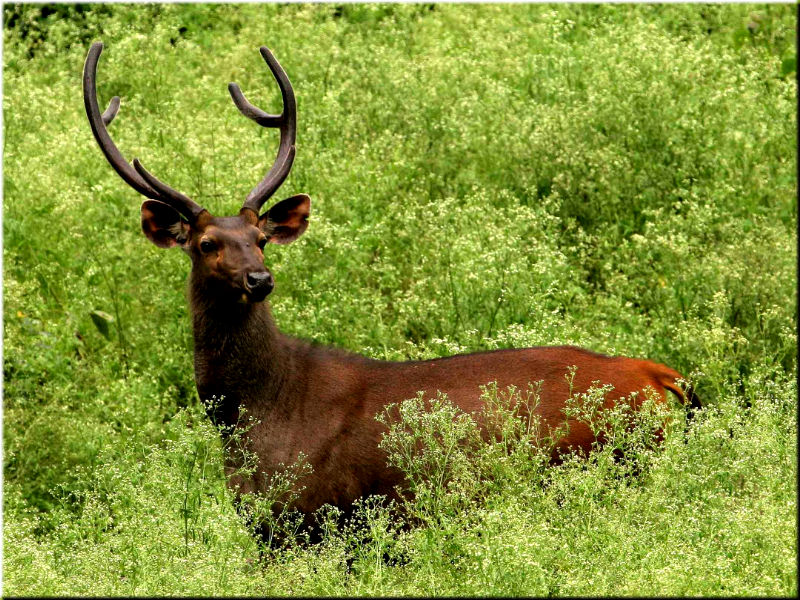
[{"x": 260, "y": 283}]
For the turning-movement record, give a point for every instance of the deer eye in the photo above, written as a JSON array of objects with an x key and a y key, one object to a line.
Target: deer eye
[
  {"x": 262, "y": 242},
  {"x": 207, "y": 246}
]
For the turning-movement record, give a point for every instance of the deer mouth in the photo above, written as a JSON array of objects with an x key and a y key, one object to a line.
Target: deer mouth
[
  {"x": 255, "y": 296},
  {"x": 250, "y": 295}
]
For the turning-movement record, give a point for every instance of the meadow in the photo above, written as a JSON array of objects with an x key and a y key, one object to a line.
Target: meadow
[{"x": 620, "y": 177}]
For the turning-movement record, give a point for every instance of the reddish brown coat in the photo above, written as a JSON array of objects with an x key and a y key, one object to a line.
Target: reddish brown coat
[{"x": 323, "y": 402}]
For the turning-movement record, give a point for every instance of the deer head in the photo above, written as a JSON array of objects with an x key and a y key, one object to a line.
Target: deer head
[{"x": 226, "y": 252}]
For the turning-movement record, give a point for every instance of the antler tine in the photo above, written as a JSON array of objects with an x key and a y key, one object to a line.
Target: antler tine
[
  {"x": 139, "y": 179},
  {"x": 98, "y": 123},
  {"x": 252, "y": 112},
  {"x": 183, "y": 204},
  {"x": 286, "y": 122},
  {"x": 111, "y": 111}
]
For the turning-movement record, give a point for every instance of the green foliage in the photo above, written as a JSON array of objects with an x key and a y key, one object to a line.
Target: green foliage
[
  {"x": 483, "y": 176},
  {"x": 453, "y": 460}
]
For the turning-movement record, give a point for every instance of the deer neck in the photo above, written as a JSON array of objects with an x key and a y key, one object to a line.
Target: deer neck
[{"x": 239, "y": 354}]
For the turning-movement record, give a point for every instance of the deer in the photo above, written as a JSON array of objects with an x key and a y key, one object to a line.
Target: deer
[{"x": 307, "y": 398}]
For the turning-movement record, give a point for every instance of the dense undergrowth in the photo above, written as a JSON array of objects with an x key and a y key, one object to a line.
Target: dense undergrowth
[{"x": 484, "y": 176}]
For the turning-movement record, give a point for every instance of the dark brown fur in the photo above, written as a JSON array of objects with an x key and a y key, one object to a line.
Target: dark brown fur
[{"x": 322, "y": 402}]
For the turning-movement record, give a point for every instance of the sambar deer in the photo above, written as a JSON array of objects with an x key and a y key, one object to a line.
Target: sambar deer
[{"x": 308, "y": 398}]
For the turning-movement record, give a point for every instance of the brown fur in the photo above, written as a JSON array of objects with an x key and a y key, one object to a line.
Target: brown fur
[{"x": 322, "y": 402}]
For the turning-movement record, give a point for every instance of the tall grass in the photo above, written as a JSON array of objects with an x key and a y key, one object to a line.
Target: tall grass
[{"x": 483, "y": 176}]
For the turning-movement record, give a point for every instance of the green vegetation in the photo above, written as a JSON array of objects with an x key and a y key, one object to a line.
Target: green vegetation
[{"x": 483, "y": 176}]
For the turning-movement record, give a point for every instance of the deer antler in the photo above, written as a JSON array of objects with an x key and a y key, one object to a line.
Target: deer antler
[
  {"x": 136, "y": 177},
  {"x": 286, "y": 122}
]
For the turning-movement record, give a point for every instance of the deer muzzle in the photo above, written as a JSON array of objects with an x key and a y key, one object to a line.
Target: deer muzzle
[{"x": 259, "y": 285}]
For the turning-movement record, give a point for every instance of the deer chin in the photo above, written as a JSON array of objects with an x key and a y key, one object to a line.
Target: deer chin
[{"x": 253, "y": 297}]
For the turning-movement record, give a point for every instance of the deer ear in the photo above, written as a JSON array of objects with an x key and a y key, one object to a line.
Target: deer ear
[
  {"x": 287, "y": 220},
  {"x": 163, "y": 225}
]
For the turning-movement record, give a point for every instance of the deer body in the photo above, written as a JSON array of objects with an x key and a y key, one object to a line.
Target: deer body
[
  {"x": 322, "y": 402},
  {"x": 310, "y": 399}
]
